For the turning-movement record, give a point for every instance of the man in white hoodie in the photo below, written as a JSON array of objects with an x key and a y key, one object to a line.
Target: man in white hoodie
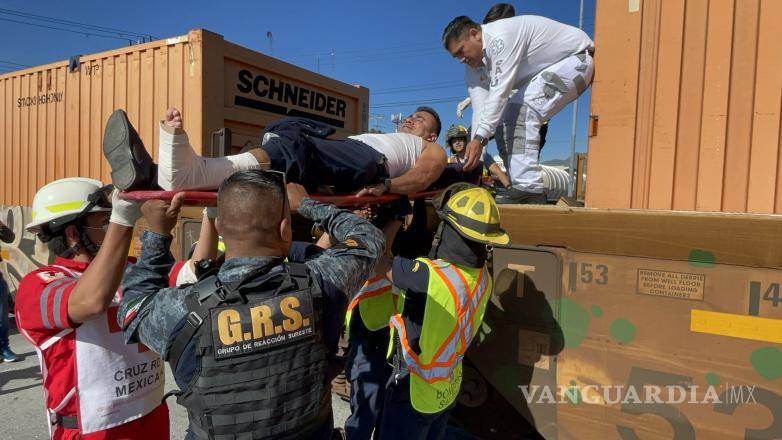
[{"x": 547, "y": 63}]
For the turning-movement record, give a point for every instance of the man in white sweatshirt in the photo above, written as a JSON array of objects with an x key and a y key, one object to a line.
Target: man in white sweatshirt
[{"x": 548, "y": 64}]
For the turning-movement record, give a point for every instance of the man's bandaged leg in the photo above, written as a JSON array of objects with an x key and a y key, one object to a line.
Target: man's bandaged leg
[{"x": 180, "y": 168}]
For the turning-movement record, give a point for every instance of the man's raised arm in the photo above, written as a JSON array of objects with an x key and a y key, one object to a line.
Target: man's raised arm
[{"x": 426, "y": 170}]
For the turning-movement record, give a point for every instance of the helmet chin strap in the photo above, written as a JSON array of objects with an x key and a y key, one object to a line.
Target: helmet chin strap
[
  {"x": 85, "y": 243},
  {"x": 438, "y": 239},
  {"x": 68, "y": 253}
]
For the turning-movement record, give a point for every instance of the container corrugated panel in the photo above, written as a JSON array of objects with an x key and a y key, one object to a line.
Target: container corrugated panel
[
  {"x": 689, "y": 98},
  {"x": 52, "y": 118}
]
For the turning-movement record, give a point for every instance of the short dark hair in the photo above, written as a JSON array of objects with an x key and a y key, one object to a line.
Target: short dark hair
[
  {"x": 58, "y": 246},
  {"x": 434, "y": 114},
  {"x": 457, "y": 28},
  {"x": 250, "y": 203},
  {"x": 499, "y": 11},
  {"x": 258, "y": 180}
]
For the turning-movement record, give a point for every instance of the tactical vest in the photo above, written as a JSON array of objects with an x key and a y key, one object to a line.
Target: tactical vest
[
  {"x": 455, "y": 302},
  {"x": 261, "y": 361},
  {"x": 376, "y": 302}
]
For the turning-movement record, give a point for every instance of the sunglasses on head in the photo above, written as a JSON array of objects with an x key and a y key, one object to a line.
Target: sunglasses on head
[{"x": 280, "y": 180}]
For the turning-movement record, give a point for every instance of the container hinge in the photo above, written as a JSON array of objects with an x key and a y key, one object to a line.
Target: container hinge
[{"x": 221, "y": 142}]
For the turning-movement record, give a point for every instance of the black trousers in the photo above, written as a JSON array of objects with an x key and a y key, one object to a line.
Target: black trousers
[{"x": 301, "y": 151}]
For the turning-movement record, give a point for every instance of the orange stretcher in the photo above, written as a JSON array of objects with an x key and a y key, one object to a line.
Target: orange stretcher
[{"x": 209, "y": 198}]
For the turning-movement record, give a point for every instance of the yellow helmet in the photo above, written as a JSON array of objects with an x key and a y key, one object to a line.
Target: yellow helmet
[{"x": 474, "y": 215}]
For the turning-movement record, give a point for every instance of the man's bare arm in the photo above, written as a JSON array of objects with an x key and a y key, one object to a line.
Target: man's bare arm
[
  {"x": 96, "y": 288},
  {"x": 500, "y": 175},
  {"x": 425, "y": 171},
  {"x": 206, "y": 248}
]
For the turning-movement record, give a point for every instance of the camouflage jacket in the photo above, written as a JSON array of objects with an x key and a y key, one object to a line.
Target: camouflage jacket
[{"x": 153, "y": 313}]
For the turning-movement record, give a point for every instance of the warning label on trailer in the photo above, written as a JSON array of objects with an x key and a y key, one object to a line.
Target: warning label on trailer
[{"x": 671, "y": 284}]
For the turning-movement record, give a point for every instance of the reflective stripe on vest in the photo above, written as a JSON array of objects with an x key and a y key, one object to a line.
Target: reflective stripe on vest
[
  {"x": 465, "y": 302},
  {"x": 449, "y": 290},
  {"x": 376, "y": 304}
]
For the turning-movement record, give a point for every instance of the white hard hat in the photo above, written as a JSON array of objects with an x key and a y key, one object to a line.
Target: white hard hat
[{"x": 65, "y": 200}]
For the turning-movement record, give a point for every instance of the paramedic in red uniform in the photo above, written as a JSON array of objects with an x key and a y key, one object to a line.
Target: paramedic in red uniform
[{"x": 95, "y": 386}]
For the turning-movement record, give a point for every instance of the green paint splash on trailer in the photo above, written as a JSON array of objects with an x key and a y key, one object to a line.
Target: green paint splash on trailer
[
  {"x": 622, "y": 330},
  {"x": 701, "y": 258},
  {"x": 573, "y": 394},
  {"x": 712, "y": 378},
  {"x": 596, "y": 311},
  {"x": 767, "y": 361},
  {"x": 574, "y": 321}
]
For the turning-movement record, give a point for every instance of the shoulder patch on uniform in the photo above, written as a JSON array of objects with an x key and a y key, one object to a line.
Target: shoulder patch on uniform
[
  {"x": 416, "y": 266},
  {"x": 48, "y": 276},
  {"x": 350, "y": 244},
  {"x": 497, "y": 46},
  {"x": 133, "y": 307}
]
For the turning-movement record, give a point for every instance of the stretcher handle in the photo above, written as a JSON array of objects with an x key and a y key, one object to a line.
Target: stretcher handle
[{"x": 209, "y": 198}]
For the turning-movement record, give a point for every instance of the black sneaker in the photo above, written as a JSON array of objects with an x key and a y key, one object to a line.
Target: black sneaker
[
  {"x": 131, "y": 165},
  {"x": 513, "y": 196}
]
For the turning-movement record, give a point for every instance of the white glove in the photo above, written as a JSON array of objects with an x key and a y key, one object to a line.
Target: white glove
[
  {"x": 124, "y": 212},
  {"x": 462, "y": 105},
  {"x": 210, "y": 212}
]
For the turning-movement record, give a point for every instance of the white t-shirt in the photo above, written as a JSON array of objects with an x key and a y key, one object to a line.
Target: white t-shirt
[
  {"x": 400, "y": 149},
  {"x": 516, "y": 49}
]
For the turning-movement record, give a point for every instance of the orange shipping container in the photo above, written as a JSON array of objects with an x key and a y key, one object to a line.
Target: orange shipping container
[
  {"x": 52, "y": 117},
  {"x": 686, "y": 106}
]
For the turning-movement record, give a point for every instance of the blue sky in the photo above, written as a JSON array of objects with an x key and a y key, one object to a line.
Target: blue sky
[{"x": 393, "y": 48}]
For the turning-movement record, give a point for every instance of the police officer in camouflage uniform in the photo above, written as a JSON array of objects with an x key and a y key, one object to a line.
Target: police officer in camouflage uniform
[{"x": 248, "y": 346}]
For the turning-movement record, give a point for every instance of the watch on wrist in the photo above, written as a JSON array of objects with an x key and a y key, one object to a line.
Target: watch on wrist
[
  {"x": 387, "y": 184},
  {"x": 481, "y": 139}
]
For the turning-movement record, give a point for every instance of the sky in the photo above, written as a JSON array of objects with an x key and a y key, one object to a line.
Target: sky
[{"x": 392, "y": 48}]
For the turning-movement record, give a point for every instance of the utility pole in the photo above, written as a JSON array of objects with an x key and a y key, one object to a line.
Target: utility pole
[
  {"x": 396, "y": 119},
  {"x": 271, "y": 42},
  {"x": 571, "y": 190},
  {"x": 333, "y": 62},
  {"x": 376, "y": 118},
  {"x": 317, "y": 61}
]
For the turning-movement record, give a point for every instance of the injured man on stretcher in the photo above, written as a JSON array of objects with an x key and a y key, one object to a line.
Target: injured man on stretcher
[{"x": 370, "y": 164}]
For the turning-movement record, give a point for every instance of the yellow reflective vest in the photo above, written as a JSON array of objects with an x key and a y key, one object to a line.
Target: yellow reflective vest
[
  {"x": 455, "y": 303},
  {"x": 376, "y": 304}
]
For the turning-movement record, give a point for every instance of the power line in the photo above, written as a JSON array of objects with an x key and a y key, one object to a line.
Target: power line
[
  {"x": 419, "y": 85},
  {"x": 73, "y": 23},
  {"x": 386, "y": 54},
  {"x": 85, "y": 33},
  {"x": 13, "y": 64},
  {"x": 372, "y": 60},
  {"x": 418, "y": 102},
  {"x": 419, "y": 88},
  {"x": 407, "y": 47}
]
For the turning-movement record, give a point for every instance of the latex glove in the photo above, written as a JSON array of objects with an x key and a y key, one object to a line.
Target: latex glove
[
  {"x": 460, "y": 107},
  {"x": 124, "y": 212}
]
